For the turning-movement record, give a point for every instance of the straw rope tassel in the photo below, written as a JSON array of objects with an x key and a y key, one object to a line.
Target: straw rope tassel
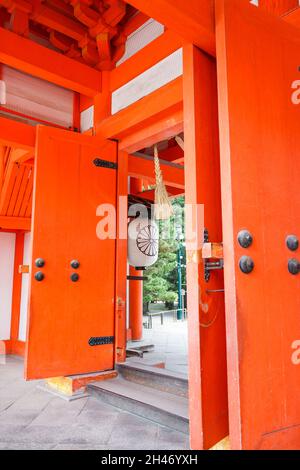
[{"x": 163, "y": 209}]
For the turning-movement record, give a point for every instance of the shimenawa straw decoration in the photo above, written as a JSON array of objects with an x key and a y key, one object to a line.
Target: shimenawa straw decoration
[{"x": 163, "y": 209}]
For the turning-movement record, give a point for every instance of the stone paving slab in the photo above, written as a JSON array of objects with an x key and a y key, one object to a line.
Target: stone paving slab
[
  {"x": 171, "y": 344},
  {"x": 33, "y": 419},
  {"x": 136, "y": 437},
  {"x": 22, "y": 446},
  {"x": 59, "y": 412},
  {"x": 88, "y": 434},
  {"x": 79, "y": 447}
]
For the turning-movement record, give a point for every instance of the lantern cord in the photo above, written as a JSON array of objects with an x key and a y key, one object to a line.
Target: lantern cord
[{"x": 163, "y": 208}]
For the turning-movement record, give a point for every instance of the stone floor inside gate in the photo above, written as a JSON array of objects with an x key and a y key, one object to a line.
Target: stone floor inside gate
[{"x": 31, "y": 418}]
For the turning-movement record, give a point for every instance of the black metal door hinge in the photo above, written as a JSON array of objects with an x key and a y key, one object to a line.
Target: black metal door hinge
[
  {"x": 105, "y": 164},
  {"x": 101, "y": 340},
  {"x": 136, "y": 278}
]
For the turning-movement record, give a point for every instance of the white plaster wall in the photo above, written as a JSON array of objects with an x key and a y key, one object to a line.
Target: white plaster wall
[
  {"x": 25, "y": 289},
  {"x": 7, "y": 257},
  {"x": 141, "y": 37},
  {"x": 160, "y": 74},
  {"x": 37, "y": 98},
  {"x": 87, "y": 119}
]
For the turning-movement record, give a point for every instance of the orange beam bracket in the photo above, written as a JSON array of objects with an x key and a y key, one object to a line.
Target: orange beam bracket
[
  {"x": 193, "y": 20},
  {"x": 15, "y": 223},
  {"x": 29, "y": 57},
  {"x": 140, "y": 167},
  {"x": 165, "y": 127},
  {"x": 144, "y": 112}
]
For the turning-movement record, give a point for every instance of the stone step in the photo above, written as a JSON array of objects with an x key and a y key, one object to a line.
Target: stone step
[
  {"x": 158, "y": 406},
  {"x": 155, "y": 377}
]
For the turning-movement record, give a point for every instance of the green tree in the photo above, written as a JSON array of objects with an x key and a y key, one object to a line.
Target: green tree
[
  {"x": 169, "y": 298},
  {"x": 154, "y": 288}
]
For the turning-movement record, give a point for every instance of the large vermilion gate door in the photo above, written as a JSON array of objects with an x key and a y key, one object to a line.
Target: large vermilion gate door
[
  {"x": 65, "y": 315},
  {"x": 258, "y": 61}
]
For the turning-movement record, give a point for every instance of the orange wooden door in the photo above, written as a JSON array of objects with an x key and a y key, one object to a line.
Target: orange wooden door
[
  {"x": 258, "y": 63},
  {"x": 71, "y": 324}
]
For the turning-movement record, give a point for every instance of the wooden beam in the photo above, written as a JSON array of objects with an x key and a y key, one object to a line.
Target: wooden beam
[
  {"x": 143, "y": 112},
  {"x": 140, "y": 167},
  {"x": 29, "y": 57},
  {"x": 150, "y": 55},
  {"x": 163, "y": 128},
  {"x": 16, "y": 134},
  {"x": 193, "y": 20},
  {"x": 174, "y": 192},
  {"x": 172, "y": 154},
  {"x": 149, "y": 194},
  {"x": 15, "y": 223}
]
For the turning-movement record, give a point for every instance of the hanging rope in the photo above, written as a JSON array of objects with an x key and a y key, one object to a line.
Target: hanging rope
[
  {"x": 180, "y": 142},
  {"x": 163, "y": 208}
]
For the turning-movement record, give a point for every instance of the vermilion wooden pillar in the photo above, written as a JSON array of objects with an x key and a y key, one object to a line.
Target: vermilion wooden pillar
[
  {"x": 102, "y": 101},
  {"x": 206, "y": 311},
  {"x": 19, "y": 250},
  {"x": 135, "y": 306},
  {"x": 136, "y": 287},
  {"x": 14, "y": 345}
]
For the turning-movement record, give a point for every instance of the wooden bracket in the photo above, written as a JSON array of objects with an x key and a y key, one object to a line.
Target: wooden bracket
[
  {"x": 23, "y": 268},
  {"x": 212, "y": 250}
]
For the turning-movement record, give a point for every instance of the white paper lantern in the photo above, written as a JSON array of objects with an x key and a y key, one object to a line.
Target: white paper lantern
[{"x": 143, "y": 238}]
